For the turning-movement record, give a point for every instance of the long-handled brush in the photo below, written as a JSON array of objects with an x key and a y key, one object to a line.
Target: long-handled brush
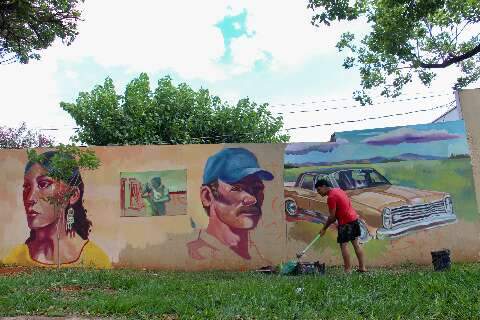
[{"x": 289, "y": 266}]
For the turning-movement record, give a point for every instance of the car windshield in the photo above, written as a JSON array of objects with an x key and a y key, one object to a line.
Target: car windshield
[{"x": 359, "y": 178}]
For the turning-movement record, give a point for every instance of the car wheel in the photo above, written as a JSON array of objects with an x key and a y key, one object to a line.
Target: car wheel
[
  {"x": 291, "y": 207},
  {"x": 364, "y": 234}
]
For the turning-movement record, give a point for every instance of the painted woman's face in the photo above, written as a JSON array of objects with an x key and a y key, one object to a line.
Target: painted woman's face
[{"x": 37, "y": 187}]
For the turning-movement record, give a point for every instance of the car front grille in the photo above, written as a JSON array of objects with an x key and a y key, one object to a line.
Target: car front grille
[{"x": 420, "y": 212}]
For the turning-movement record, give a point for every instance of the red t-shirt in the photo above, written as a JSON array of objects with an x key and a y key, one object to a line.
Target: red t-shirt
[{"x": 338, "y": 200}]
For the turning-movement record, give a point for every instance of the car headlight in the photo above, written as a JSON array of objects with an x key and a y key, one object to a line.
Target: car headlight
[
  {"x": 387, "y": 218},
  {"x": 448, "y": 205}
]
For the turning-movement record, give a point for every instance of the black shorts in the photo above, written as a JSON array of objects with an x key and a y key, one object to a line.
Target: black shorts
[{"x": 348, "y": 232}]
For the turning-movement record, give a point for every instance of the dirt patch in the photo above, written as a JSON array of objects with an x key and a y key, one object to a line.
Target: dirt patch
[
  {"x": 77, "y": 288},
  {"x": 9, "y": 271},
  {"x": 71, "y": 288}
]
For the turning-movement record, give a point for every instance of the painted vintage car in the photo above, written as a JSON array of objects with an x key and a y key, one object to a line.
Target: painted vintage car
[{"x": 386, "y": 211}]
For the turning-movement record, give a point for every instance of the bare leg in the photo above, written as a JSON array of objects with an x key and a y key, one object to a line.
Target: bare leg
[
  {"x": 346, "y": 256},
  {"x": 360, "y": 255}
]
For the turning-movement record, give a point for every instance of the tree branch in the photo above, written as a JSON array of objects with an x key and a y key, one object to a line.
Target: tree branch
[{"x": 453, "y": 59}]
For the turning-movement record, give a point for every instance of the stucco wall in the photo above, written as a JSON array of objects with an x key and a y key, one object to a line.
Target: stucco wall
[
  {"x": 194, "y": 230},
  {"x": 153, "y": 241},
  {"x": 470, "y": 107}
]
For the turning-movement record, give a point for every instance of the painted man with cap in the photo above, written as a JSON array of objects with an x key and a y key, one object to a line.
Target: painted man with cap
[{"x": 232, "y": 194}]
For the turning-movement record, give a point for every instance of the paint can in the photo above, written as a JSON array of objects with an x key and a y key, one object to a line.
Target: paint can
[{"x": 441, "y": 260}]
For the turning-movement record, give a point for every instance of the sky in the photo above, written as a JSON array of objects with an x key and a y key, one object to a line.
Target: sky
[
  {"x": 265, "y": 50},
  {"x": 437, "y": 140}
]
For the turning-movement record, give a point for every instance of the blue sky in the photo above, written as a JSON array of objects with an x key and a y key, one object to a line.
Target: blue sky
[
  {"x": 353, "y": 144},
  {"x": 265, "y": 50}
]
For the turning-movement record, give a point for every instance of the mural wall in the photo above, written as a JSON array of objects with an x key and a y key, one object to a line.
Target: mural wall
[
  {"x": 238, "y": 207},
  {"x": 134, "y": 210},
  {"x": 411, "y": 186},
  {"x": 48, "y": 224}
]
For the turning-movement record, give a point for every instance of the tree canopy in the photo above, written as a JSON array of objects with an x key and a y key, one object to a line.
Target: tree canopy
[
  {"x": 22, "y": 137},
  {"x": 408, "y": 38},
  {"x": 27, "y": 26},
  {"x": 169, "y": 114}
]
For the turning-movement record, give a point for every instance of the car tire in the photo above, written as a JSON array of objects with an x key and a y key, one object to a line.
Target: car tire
[{"x": 291, "y": 207}]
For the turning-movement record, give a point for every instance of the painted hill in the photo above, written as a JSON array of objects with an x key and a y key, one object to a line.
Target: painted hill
[{"x": 378, "y": 159}]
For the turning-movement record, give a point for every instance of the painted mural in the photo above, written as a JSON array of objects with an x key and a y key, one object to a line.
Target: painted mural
[
  {"x": 402, "y": 181},
  {"x": 232, "y": 195},
  {"x": 412, "y": 186},
  {"x": 45, "y": 222},
  {"x": 153, "y": 193}
]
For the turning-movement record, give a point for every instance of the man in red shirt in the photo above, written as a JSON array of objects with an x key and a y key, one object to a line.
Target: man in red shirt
[{"x": 341, "y": 209}]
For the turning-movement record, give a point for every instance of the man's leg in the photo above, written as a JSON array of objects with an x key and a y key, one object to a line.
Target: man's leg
[
  {"x": 360, "y": 256},
  {"x": 346, "y": 256}
]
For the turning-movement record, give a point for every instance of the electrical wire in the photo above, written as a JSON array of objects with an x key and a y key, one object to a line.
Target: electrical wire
[
  {"x": 248, "y": 134},
  {"x": 357, "y": 106},
  {"x": 373, "y": 118},
  {"x": 431, "y": 94}
]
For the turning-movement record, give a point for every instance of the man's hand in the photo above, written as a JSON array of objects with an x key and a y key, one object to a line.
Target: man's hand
[{"x": 322, "y": 232}]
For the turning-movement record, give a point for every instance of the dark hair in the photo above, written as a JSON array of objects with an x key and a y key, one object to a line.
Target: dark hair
[
  {"x": 322, "y": 183},
  {"x": 156, "y": 181},
  {"x": 81, "y": 224},
  {"x": 213, "y": 186}
]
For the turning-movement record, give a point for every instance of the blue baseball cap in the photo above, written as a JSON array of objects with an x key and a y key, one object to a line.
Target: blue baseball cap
[{"x": 232, "y": 165}]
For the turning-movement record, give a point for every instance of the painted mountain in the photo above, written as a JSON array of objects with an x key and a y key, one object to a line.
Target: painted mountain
[{"x": 402, "y": 157}]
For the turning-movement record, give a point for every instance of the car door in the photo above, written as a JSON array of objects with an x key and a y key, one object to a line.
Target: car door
[{"x": 306, "y": 192}]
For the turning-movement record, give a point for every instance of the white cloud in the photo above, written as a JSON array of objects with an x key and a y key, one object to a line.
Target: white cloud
[
  {"x": 247, "y": 52},
  {"x": 237, "y": 26},
  {"x": 30, "y": 94},
  {"x": 283, "y": 29},
  {"x": 27, "y": 90},
  {"x": 159, "y": 35},
  {"x": 145, "y": 35},
  {"x": 182, "y": 37},
  {"x": 409, "y": 135},
  {"x": 70, "y": 74}
]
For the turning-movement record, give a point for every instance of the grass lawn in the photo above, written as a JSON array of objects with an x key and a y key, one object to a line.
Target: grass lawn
[{"x": 403, "y": 293}]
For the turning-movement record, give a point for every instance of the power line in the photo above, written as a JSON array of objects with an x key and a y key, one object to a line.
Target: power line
[
  {"x": 359, "y": 106},
  {"x": 326, "y": 124},
  {"x": 373, "y": 118},
  {"x": 432, "y": 94},
  {"x": 307, "y": 127}
]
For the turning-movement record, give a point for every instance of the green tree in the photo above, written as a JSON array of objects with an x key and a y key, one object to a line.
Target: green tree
[
  {"x": 22, "y": 137},
  {"x": 408, "y": 38},
  {"x": 168, "y": 115},
  {"x": 27, "y": 26}
]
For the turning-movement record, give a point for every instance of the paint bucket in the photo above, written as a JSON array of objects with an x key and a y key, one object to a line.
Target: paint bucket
[
  {"x": 441, "y": 260},
  {"x": 315, "y": 268}
]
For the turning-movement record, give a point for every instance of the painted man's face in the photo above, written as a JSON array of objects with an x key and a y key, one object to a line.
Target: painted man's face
[
  {"x": 239, "y": 205},
  {"x": 37, "y": 186}
]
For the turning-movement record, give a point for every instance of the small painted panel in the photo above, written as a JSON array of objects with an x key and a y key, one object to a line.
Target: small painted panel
[{"x": 153, "y": 193}]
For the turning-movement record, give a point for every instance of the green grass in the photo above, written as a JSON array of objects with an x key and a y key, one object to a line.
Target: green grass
[{"x": 404, "y": 293}]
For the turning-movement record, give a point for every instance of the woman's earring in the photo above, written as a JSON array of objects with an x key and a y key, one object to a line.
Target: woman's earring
[{"x": 70, "y": 218}]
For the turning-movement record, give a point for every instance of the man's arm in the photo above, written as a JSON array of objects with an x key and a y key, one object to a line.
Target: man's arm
[
  {"x": 146, "y": 190},
  {"x": 332, "y": 208}
]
